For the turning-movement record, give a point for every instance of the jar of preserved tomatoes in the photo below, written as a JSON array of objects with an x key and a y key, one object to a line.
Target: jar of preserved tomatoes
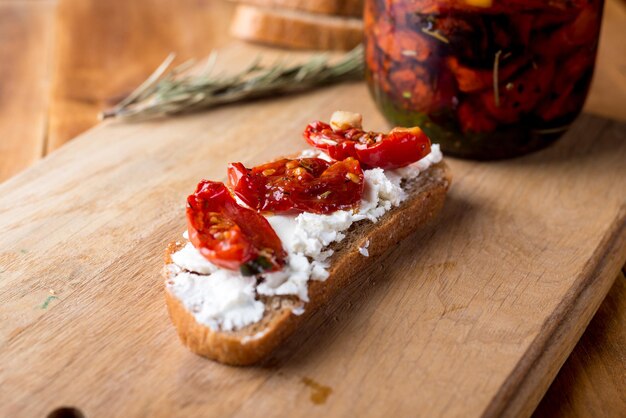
[{"x": 486, "y": 79}]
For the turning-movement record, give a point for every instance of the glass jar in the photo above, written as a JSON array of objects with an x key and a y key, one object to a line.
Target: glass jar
[{"x": 486, "y": 79}]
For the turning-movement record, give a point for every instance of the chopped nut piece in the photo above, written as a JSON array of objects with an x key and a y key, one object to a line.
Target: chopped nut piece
[
  {"x": 341, "y": 120},
  {"x": 353, "y": 177}
]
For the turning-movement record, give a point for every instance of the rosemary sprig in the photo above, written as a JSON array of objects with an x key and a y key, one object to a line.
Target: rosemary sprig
[
  {"x": 168, "y": 93},
  {"x": 436, "y": 35},
  {"x": 496, "y": 78}
]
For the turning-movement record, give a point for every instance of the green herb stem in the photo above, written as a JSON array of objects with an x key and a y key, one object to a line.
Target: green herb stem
[
  {"x": 436, "y": 35},
  {"x": 49, "y": 299},
  {"x": 496, "y": 78},
  {"x": 168, "y": 93}
]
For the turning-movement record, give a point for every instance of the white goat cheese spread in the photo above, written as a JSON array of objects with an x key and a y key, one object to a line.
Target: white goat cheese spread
[{"x": 226, "y": 300}]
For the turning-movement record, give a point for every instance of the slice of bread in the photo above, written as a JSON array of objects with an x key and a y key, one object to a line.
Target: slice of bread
[
  {"x": 327, "y": 7},
  {"x": 254, "y": 342},
  {"x": 295, "y": 29}
]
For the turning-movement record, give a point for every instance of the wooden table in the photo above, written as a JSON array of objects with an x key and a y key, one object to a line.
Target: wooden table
[{"x": 71, "y": 58}]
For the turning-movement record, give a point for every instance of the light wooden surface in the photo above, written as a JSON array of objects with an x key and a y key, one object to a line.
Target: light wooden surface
[
  {"x": 75, "y": 110},
  {"x": 471, "y": 317},
  {"x": 25, "y": 38},
  {"x": 592, "y": 381},
  {"x": 104, "y": 49},
  {"x": 608, "y": 91}
]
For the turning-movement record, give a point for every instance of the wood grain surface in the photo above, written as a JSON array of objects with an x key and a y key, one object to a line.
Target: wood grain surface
[
  {"x": 25, "y": 37},
  {"x": 25, "y": 42},
  {"x": 471, "y": 317},
  {"x": 104, "y": 49},
  {"x": 592, "y": 380},
  {"x": 608, "y": 91}
]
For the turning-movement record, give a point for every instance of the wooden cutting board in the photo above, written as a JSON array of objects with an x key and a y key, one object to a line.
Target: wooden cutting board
[{"x": 472, "y": 316}]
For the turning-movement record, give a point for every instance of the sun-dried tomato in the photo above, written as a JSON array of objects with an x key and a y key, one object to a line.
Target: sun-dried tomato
[
  {"x": 302, "y": 184},
  {"x": 398, "y": 148},
  {"x": 229, "y": 235}
]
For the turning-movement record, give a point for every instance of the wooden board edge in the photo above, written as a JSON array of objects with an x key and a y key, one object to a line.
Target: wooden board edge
[{"x": 531, "y": 378}]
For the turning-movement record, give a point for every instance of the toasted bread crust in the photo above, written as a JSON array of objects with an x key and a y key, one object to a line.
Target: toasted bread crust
[
  {"x": 295, "y": 30},
  {"x": 247, "y": 346}
]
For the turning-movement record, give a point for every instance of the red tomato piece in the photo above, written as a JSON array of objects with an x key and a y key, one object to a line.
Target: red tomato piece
[
  {"x": 521, "y": 94},
  {"x": 303, "y": 184},
  {"x": 565, "y": 94},
  {"x": 411, "y": 84},
  {"x": 229, "y": 235},
  {"x": 472, "y": 80},
  {"x": 397, "y": 42},
  {"x": 445, "y": 95},
  {"x": 579, "y": 33},
  {"x": 401, "y": 147},
  {"x": 473, "y": 119}
]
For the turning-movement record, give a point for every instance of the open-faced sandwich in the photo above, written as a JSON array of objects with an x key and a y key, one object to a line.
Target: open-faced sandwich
[{"x": 276, "y": 243}]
